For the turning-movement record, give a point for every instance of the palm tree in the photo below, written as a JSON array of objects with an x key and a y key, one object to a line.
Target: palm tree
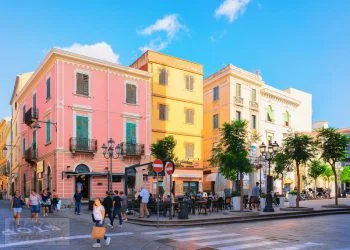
[
  {"x": 231, "y": 154},
  {"x": 333, "y": 149},
  {"x": 300, "y": 149}
]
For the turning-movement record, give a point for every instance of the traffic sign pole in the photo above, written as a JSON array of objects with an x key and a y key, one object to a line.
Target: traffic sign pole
[{"x": 157, "y": 200}]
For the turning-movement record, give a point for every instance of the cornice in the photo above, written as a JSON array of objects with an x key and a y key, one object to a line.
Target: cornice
[{"x": 278, "y": 96}]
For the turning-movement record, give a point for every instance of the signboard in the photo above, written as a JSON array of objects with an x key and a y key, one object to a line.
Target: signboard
[
  {"x": 40, "y": 166},
  {"x": 169, "y": 168},
  {"x": 157, "y": 165}
]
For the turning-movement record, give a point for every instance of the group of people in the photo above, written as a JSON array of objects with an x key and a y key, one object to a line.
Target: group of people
[{"x": 46, "y": 200}]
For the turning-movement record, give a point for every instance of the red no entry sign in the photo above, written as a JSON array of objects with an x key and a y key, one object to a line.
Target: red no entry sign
[
  {"x": 169, "y": 168},
  {"x": 157, "y": 165}
]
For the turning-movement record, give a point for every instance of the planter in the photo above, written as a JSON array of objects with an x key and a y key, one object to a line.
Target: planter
[
  {"x": 262, "y": 203},
  {"x": 235, "y": 202},
  {"x": 292, "y": 200},
  {"x": 281, "y": 202}
]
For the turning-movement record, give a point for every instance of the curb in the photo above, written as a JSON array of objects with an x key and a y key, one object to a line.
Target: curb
[{"x": 239, "y": 219}]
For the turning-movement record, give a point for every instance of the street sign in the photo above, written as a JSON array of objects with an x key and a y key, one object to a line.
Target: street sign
[
  {"x": 169, "y": 168},
  {"x": 157, "y": 165}
]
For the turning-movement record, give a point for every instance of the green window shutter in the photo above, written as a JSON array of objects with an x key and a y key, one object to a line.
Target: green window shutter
[
  {"x": 131, "y": 133},
  {"x": 48, "y": 131},
  {"x": 48, "y": 88},
  {"x": 82, "y": 127},
  {"x": 270, "y": 114},
  {"x": 34, "y": 140}
]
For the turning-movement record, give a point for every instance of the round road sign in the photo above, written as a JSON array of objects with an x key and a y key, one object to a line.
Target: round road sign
[
  {"x": 169, "y": 168},
  {"x": 157, "y": 165}
]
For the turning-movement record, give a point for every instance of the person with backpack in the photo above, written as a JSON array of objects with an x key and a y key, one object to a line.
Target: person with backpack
[{"x": 16, "y": 205}]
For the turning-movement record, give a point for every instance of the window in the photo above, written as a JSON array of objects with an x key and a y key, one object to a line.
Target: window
[
  {"x": 34, "y": 103},
  {"x": 48, "y": 132},
  {"x": 34, "y": 140},
  {"x": 238, "y": 115},
  {"x": 190, "y": 187},
  {"x": 24, "y": 113},
  {"x": 253, "y": 95},
  {"x": 216, "y": 121},
  {"x": 163, "y": 77},
  {"x": 131, "y": 95},
  {"x": 189, "y": 83},
  {"x": 269, "y": 139},
  {"x": 15, "y": 105},
  {"x": 253, "y": 121},
  {"x": 286, "y": 119},
  {"x": 130, "y": 133},
  {"x": 82, "y": 132},
  {"x": 216, "y": 93},
  {"x": 82, "y": 84},
  {"x": 163, "y": 112},
  {"x": 189, "y": 116},
  {"x": 238, "y": 89},
  {"x": 116, "y": 178},
  {"x": 269, "y": 114},
  {"x": 189, "y": 147},
  {"x": 23, "y": 146},
  {"x": 48, "y": 88}
]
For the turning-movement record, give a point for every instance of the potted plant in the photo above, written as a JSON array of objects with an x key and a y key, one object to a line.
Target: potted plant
[
  {"x": 263, "y": 200},
  {"x": 292, "y": 198},
  {"x": 235, "y": 200}
]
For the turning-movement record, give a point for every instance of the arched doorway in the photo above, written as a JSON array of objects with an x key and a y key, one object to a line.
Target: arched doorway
[
  {"x": 82, "y": 180},
  {"x": 48, "y": 178}
]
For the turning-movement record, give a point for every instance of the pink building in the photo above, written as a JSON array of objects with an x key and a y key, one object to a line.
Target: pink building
[{"x": 70, "y": 107}]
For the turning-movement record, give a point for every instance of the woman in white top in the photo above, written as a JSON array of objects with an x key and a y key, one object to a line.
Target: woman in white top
[
  {"x": 99, "y": 216},
  {"x": 34, "y": 204}
]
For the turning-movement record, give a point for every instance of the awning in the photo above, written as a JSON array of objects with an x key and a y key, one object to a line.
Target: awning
[
  {"x": 189, "y": 175},
  {"x": 72, "y": 173},
  {"x": 288, "y": 181},
  {"x": 212, "y": 177}
]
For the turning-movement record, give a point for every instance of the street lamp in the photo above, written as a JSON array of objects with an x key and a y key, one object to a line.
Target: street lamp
[
  {"x": 110, "y": 152},
  {"x": 268, "y": 156}
]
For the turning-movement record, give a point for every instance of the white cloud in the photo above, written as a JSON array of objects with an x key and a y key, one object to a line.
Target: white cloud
[
  {"x": 218, "y": 36},
  {"x": 231, "y": 9},
  {"x": 101, "y": 50},
  {"x": 168, "y": 26}
]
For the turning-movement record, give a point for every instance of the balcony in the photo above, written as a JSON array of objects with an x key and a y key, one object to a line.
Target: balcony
[
  {"x": 31, "y": 155},
  {"x": 238, "y": 100},
  {"x": 82, "y": 145},
  {"x": 31, "y": 116},
  {"x": 254, "y": 105},
  {"x": 132, "y": 149}
]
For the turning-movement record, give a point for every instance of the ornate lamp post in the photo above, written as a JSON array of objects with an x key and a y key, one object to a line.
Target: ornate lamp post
[
  {"x": 110, "y": 152},
  {"x": 268, "y": 156}
]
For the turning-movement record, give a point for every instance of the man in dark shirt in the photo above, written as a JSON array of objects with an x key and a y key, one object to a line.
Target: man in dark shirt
[
  {"x": 77, "y": 198},
  {"x": 117, "y": 204},
  {"x": 108, "y": 205}
]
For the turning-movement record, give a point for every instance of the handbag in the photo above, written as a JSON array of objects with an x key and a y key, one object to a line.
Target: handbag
[{"x": 98, "y": 233}]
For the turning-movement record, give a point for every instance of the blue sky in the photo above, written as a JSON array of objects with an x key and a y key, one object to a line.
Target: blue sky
[{"x": 302, "y": 44}]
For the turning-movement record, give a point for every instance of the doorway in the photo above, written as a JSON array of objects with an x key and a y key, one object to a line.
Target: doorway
[{"x": 83, "y": 181}]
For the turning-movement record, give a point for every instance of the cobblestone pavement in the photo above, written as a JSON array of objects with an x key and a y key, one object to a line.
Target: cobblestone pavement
[{"x": 59, "y": 232}]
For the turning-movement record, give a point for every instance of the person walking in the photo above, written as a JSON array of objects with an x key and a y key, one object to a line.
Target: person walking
[
  {"x": 77, "y": 199},
  {"x": 99, "y": 216},
  {"x": 254, "y": 198},
  {"x": 54, "y": 200},
  {"x": 50, "y": 194},
  {"x": 16, "y": 206},
  {"x": 117, "y": 206},
  {"x": 34, "y": 205},
  {"x": 108, "y": 205},
  {"x": 144, "y": 201},
  {"x": 46, "y": 202},
  {"x": 124, "y": 209}
]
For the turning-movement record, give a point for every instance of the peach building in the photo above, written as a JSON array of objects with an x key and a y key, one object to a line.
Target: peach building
[{"x": 70, "y": 106}]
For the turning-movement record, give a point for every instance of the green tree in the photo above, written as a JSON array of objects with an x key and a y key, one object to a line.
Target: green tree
[
  {"x": 328, "y": 174},
  {"x": 300, "y": 149},
  {"x": 283, "y": 165},
  {"x": 333, "y": 149},
  {"x": 163, "y": 149},
  {"x": 316, "y": 169},
  {"x": 345, "y": 174},
  {"x": 231, "y": 153}
]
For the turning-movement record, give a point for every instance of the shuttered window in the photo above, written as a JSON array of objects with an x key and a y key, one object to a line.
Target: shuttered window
[
  {"x": 24, "y": 113},
  {"x": 270, "y": 115},
  {"x": 48, "y": 132},
  {"x": 23, "y": 146},
  {"x": 238, "y": 115},
  {"x": 216, "y": 93},
  {"x": 286, "y": 118},
  {"x": 130, "y": 93},
  {"x": 253, "y": 121},
  {"x": 216, "y": 121},
  {"x": 189, "y": 83},
  {"x": 163, "y": 77},
  {"x": 238, "y": 89},
  {"x": 189, "y": 147},
  {"x": 82, "y": 84},
  {"x": 48, "y": 88},
  {"x": 253, "y": 95},
  {"x": 163, "y": 112},
  {"x": 189, "y": 116}
]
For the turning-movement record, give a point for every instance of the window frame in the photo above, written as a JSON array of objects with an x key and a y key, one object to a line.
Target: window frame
[
  {"x": 253, "y": 121},
  {"x": 189, "y": 82},
  {"x": 216, "y": 125},
  {"x": 238, "y": 87},
  {"x": 187, "y": 112},
  {"x": 189, "y": 146},
  {"x": 48, "y": 131},
  {"x": 125, "y": 92},
  {"x": 216, "y": 93},
  {"x": 268, "y": 118},
  {"x": 166, "y": 77},
  {"x": 48, "y": 89},
  {"x": 166, "y": 112},
  {"x": 84, "y": 72},
  {"x": 253, "y": 97},
  {"x": 238, "y": 115},
  {"x": 24, "y": 110}
]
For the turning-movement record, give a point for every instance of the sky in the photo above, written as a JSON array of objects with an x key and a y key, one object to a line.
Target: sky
[{"x": 304, "y": 44}]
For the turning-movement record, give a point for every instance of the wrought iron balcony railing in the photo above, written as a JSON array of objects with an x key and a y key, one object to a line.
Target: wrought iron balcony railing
[
  {"x": 31, "y": 155},
  {"x": 31, "y": 116},
  {"x": 84, "y": 145},
  {"x": 132, "y": 149}
]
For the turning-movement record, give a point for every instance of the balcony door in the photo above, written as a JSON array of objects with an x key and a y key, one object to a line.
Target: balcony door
[
  {"x": 34, "y": 103},
  {"x": 82, "y": 132},
  {"x": 130, "y": 138}
]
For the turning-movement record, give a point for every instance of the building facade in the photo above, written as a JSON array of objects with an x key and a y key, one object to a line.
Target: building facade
[
  {"x": 68, "y": 109},
  {"x": 5, "y": 134},
  {"x": 235, "y": 94},
  {"x": 177, "y": 108}
]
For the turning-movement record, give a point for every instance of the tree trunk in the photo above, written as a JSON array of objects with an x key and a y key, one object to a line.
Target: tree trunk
[
  {"x": 328, "y": 182},
  {"x": 282, "y": 185},
  {"x": 241, "y": 187},
  {"x": 335, "y": 183},
  {"x": 298, "y": 188},
  {"x": 315, "y": 188}
]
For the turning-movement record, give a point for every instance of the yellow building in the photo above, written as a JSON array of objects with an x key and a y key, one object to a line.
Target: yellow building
[
  {"x": 177, "y": 110},
  {"x": 5, "y": 129},
  {"x": 14, "y": 151}
]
